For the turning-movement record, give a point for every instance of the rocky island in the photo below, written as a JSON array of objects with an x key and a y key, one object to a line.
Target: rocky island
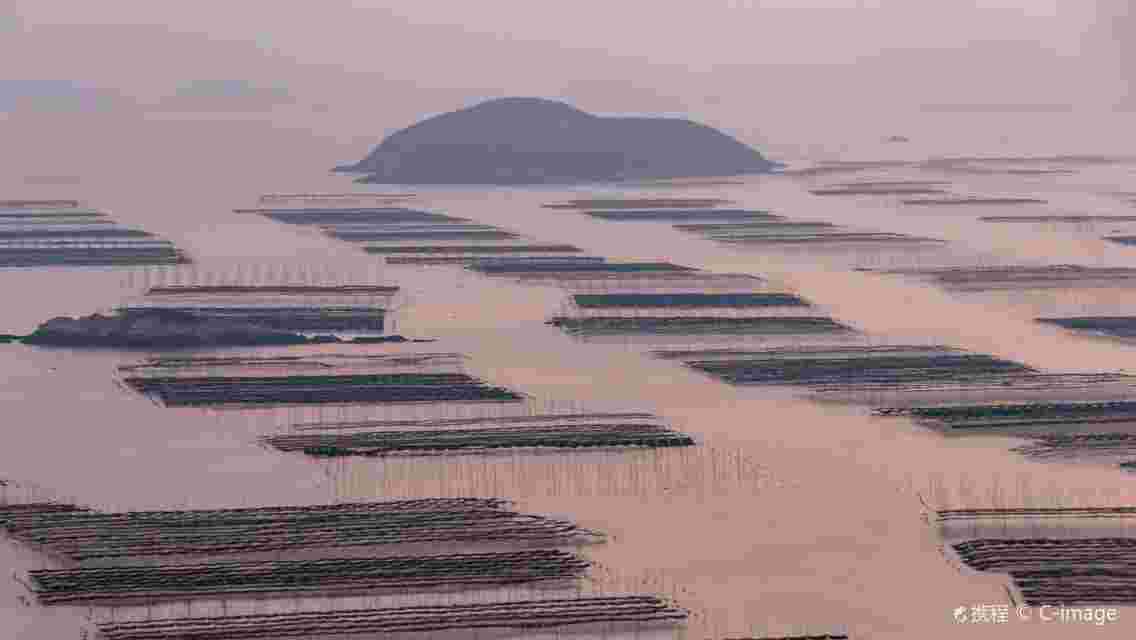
[
  {"x": 163, "y": 328},
  {"x": 514, "y": 141}
]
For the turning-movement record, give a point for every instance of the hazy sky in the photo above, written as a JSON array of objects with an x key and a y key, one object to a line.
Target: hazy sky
[{"x": 722, "y": 61}]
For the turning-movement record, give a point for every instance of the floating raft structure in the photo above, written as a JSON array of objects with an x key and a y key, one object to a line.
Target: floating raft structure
[
  {"x": 1054, "y": 219},
  {"x": 860, "y": 371},
  {"x": 1019, "y": 276},
  {"x": 574, "y": 269},
  {"x": 877, "y": 191},
  {"x": 1071, "y": 556},
  {"x": 1110, "y": 326},
  {"x": 113, "y": 586},
  {"x": 273, "y": 290},
  {"x": 39, "y": 204},
  {"x": 1118, "y": 447},
  {"x": 353, "y": 319},
  {"x": 305, "y": 308},
  {"x": 796, "y": 232},
  {"x": 1124, "y": 240},
  {"x": 971, "y": 201},
  {"x": 41, "y": 235},
  {"x": 886, "y": 365},
  {"x": 319, "y": 389},
  {"x": 1026, "y": 416},
  {"x": 680, "y": 215},
  {"x": 813, "y": 636},
  {"x": 713, "y": 325},
  {"x": 316, "y": 216},
  {"x": 407, "y": 236},
  {"x": 638, "y": 203},
  {"x": 337, "y": 197},
  {"x": 613, "y": 614},
  {"x": 326, "y": 379},
  {"x": 371, "y": 528},
  {"x": 479, "y": 435},
  {"x": 687, "y": 300},
  {"x": 1066, "y": 572}
]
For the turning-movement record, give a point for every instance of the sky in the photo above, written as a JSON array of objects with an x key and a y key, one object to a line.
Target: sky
[{"x": 724, "y": 62}]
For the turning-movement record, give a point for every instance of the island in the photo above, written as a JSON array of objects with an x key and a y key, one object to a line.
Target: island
[
  {"x": 162, "y": 328},
  {"x": 519, "y": 141}
]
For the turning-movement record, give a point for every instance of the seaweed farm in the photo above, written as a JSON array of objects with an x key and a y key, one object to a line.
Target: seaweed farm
[
  {"x": 328, "y": 379},
  {"x": 897, "y": 373},
  {"x": 1056, "y": 218},
  {"x": 333, "y": 576},
  {"x": 1086, "y": 572},
  {"x": 869, "y": 189},
  {"x": 638, "y": 203},
  {"x": 1124, "y": 240},
  {"x": 595, "y": 614},
  {"x": 414, "y": 237},
  {"x": 684, "y": 300},
  {"x": 381, "y": 527},
  {"x": 954, "y": 202},
  {"x": 688, "y": 325},
  {"x": 1028, "y": 417},
  {"x": 1067, "y": 556},
  {"x": 679, "y": 215},
  {"x": 548, "y": 432},
  {"x": 39, "y": 235},
  {"x": 1021, "y": 277},
  {"x": 1108, "y": 326}
]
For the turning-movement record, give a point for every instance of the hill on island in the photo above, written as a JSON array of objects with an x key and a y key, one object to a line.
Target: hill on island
[{"x": 538, "y": 141}]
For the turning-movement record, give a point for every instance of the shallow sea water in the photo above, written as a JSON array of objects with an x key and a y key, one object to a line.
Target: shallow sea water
[{"x": 791, "y": 516}]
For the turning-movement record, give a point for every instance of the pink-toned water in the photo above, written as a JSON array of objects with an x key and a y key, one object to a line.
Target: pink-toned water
[{"x": 792, "y": 516}]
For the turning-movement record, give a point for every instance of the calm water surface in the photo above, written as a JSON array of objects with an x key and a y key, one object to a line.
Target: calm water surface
[{"x": 792, "y": 516}]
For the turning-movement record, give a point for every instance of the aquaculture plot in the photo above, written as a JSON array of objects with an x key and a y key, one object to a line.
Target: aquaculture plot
[
  {"x": 1069, "y": 572},
  {"x": 261, "y": 284},
  {"x": 589, "y": 267},
  {"x": 1058, "y": 219},
  {"x": 274, "y": 290},
  {"x": 1060, "y": 431},
  {"x": 1115, "y": 447},
  {"x": 678, "y": 309},
  {"x": 1021, "y": 277},
  {"x": 324, "y": 577},
  {"x": 1026, "y": 417},
  {"x": 822, "y": 636},
  {"x": 317, "y": 216},
  {"x": 241, "y": 364},
  {"x": 179, "y": 535},
  {"x": 331, "y": 318},
  {"x": 296, "y": 308},
  {"x": 339, "y": 198},
  {"x": 332, "y": 378},
  {"x": 36, "y": 204},
  {"x": 686, "y": 300},
  {"x": 10, "y": 511},
  {"x": 637, "y": 203},
  {"x": 33, "y": 237},
  {"x": 405, "y": 236},
  {"x": 881, "y": 189},
  {"x": 1124, "y": 240},
  {"x": 698, "y": 326},
  {"x": 798, "y": 233},
  {"x": 441, "y": 441},
  {"x": 597, "y": 614},
  {"x": 864, "y": 365},
  {"x": 319, "y": 389},
  {"x": 895, "y": 374},
  {"x": 683, "y": 215},
  {"x": 971, "y": 201}
]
